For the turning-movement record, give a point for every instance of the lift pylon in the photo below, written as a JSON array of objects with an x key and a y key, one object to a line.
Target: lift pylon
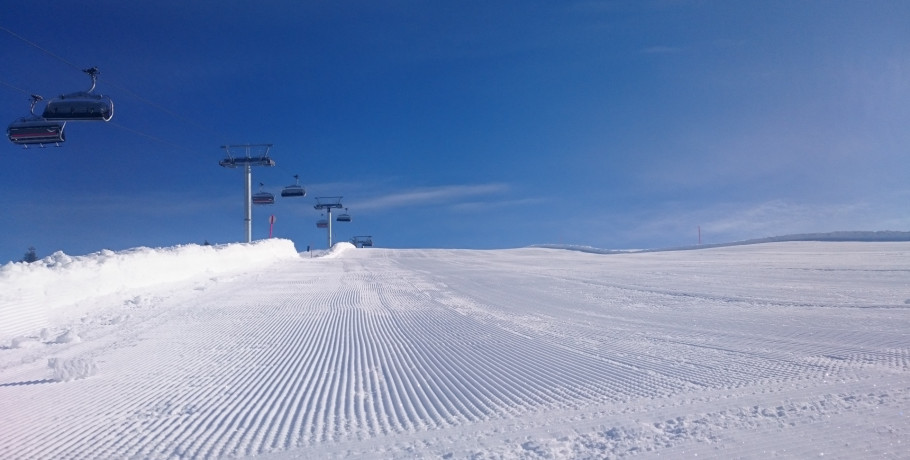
[
  {"x": 327, "y": 203},
  {"x": 247, "y": 156}
]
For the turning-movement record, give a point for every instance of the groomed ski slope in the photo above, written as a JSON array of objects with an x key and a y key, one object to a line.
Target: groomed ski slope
[{"x": 786, "y": 350}]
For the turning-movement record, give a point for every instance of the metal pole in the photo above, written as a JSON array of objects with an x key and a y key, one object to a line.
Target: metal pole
[
  {"x": 248, "y": 219},
  {"x": 248, "y": 162},
  {"x": 330, "y": 227}
]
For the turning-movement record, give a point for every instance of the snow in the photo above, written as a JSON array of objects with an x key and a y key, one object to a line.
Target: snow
[
  {"x": 70, "y": 369},
  {"x": 783, "y": 349},
  {"x": 31, "y": 294},
  {"x": 338, "y": 249}
]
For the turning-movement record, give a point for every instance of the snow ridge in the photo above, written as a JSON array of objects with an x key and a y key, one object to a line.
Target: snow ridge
[{"x": 34, "y": 294}]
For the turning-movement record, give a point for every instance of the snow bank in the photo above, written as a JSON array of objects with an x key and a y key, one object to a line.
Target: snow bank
[{"x": 32, "y": 293}]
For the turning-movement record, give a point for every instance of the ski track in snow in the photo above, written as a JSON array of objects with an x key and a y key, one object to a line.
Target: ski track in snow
[{"x": 780, "y": 350}]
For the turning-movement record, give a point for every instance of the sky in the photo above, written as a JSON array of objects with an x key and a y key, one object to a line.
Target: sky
[{"x": 474, "y": 124}]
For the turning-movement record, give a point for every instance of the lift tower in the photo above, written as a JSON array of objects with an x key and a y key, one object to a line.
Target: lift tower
[
  {"x": 328, "y": 203},
  {"x": 247, "y": 155}
]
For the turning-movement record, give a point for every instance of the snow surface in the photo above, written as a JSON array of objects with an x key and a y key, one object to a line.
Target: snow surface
[
  {"x": 32, "y": 294},
  {"x": 777, "y": 350}
]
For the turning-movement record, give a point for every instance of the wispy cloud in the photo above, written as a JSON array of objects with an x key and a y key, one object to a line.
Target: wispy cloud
[
  {"x": 432, "y": 195},
  {"x": 773, "y": 217},
  {"x": 779, "y": 217},
  {"x": 723, "y": 222},
  {"x": 498, "y": 204},
  {"x": 677, "y": 224}
]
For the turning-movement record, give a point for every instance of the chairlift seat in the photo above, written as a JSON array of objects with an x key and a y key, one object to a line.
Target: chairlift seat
[
  {"x": 343, "y": 218},
  {"x": 322, "y": 223},
  {"x": 36, "y": 130}
]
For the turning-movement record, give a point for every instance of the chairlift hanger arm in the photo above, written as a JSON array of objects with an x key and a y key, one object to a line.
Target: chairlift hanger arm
[
  {"x": 93, "y": 73},
  {"x": 35, "y": 98}
]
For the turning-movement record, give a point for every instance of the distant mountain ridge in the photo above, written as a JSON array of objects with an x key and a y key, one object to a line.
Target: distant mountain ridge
[{"x": 870, "y": 236}]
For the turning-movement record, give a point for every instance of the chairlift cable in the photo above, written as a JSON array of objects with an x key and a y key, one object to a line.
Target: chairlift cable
[
  {"x": 166, "y": 111},
  {"x": 154, "y": 138},
  {"x": 15, "y": 88},
  {"x": 39, "y": 47}
]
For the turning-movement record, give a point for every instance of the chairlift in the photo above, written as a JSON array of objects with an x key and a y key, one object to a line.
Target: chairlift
[
  {"x": 263, "y": 197},
  {"x": 344, "y": 217},
  {"x": 33, "y": 129},
  {"x": 322, "y": 223},
  {"x": 294, "y": 190},
  {"x": 82, "y": 105},
  {"x": 26, "y": 132}
]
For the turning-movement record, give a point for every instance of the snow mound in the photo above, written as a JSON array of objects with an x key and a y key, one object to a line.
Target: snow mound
[
  {"x": 338, "y": 249},
  {"x": 70, "y": 336},
  {"x": 32, "y": 293},
  {"x": 72, "y": 369}
]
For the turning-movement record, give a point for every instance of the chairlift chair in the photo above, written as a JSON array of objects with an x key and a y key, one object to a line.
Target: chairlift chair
[
  {"x": 344, "y": 217},
  {"x": 25, "y": 131},
  {"x": 322, "y": 223},
  {"x": 263, "y": 197},
  {"x": 33, "y": 129},
  {"x": 82, "y": 105},
  {"x": 294, "y": 190}
]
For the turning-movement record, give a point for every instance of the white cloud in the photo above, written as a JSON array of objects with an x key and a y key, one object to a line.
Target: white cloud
[{"x": 432, "y": 195}]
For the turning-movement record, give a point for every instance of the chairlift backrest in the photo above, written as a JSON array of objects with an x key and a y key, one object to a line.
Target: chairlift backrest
[
  {"x": 80, "y": 106},
  {"x": 263, "y": 198},
  {"x": 293, "y": 191}
]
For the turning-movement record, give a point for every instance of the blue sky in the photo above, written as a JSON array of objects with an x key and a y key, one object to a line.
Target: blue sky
[{"x": 475, "y": 124}]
